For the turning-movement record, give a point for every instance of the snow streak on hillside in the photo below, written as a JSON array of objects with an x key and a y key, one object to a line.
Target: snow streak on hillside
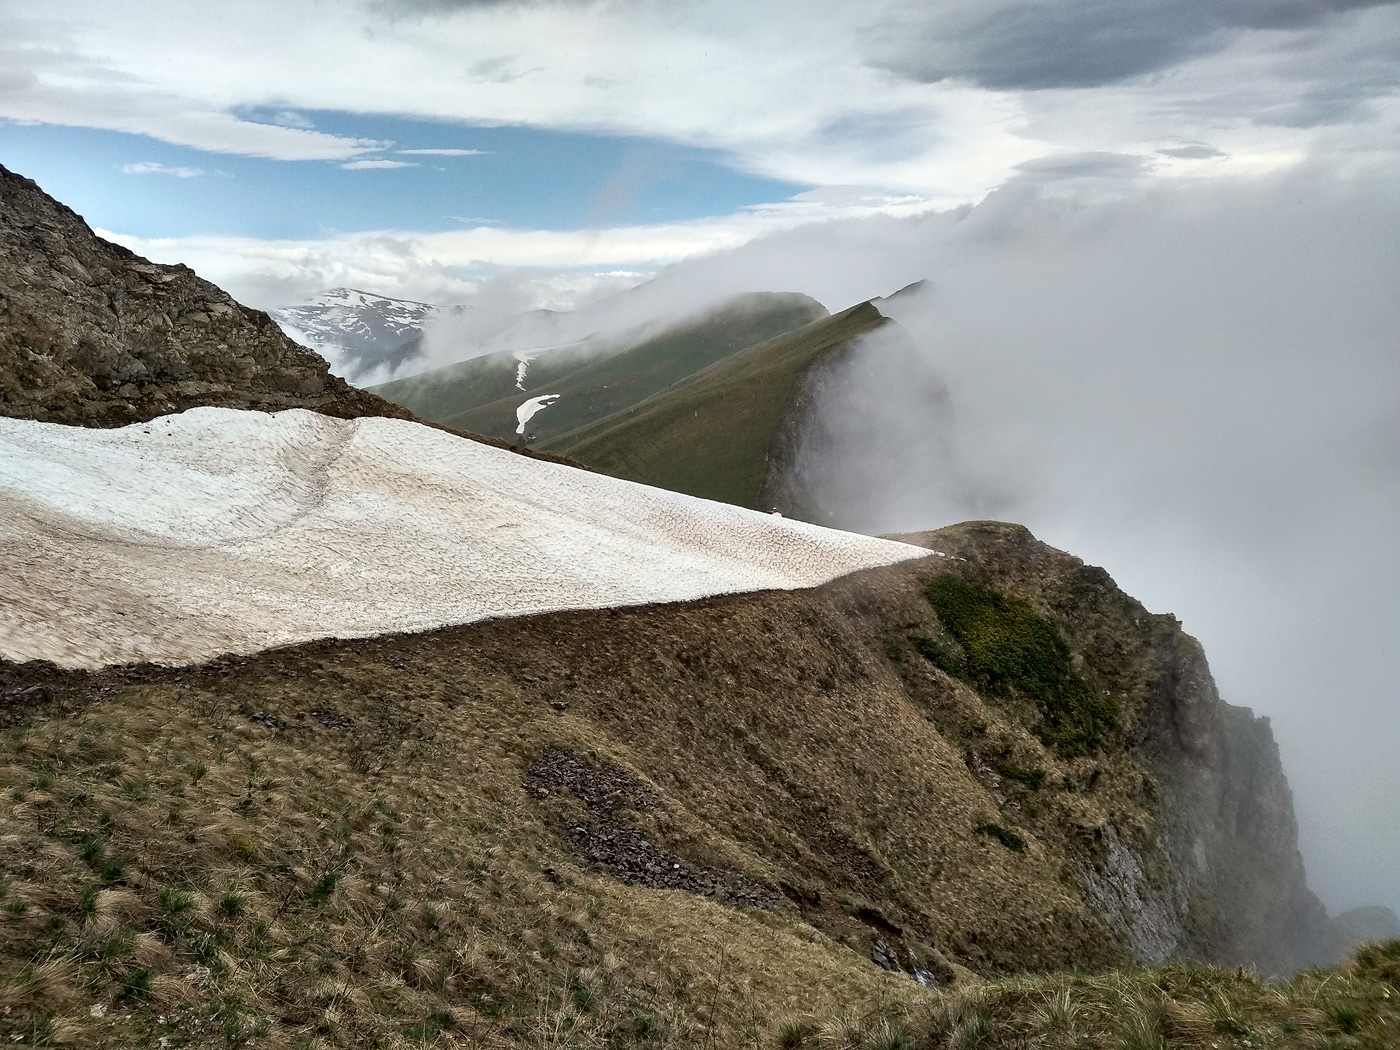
[{"x": 217, "y": 530}]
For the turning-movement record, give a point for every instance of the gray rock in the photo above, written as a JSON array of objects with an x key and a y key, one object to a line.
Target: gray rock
[{"x": 93, "y": 335}]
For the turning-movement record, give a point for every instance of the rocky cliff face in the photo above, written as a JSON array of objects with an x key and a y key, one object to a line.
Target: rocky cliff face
[
  {"x": 1198, "y": 858},
  {"x": 93, "y": 335}
]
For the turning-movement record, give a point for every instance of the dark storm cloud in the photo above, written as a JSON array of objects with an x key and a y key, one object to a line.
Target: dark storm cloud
[{"x": 1087, "y": 43}]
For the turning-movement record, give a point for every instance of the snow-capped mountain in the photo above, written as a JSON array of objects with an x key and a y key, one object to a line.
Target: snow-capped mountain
[{"x": 358, "y": 332}]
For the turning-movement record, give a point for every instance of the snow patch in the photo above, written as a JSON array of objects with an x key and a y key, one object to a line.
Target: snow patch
[
  {"x": 527, "y": 411},
  {"x": 218, "y": 530},
  {"x": 522, "y": 366}
]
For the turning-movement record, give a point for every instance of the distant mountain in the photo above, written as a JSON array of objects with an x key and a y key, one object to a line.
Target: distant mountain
[
  {"x": 358, "y": 331},
  {"x": 536, "y": 396},
  {"x": 726, "y": 432},
  {"x": 1372, "y": 923}
]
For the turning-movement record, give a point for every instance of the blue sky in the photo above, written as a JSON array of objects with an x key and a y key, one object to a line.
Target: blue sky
[{"x": 522, "y": 177}]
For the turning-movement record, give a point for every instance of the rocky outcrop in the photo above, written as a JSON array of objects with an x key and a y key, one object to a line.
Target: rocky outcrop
[
  {"x": 93, "y": 335},
  {"x": 1199, "y": 858}
]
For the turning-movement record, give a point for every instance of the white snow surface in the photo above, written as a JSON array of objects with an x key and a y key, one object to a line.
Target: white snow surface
[
  {"x": 522, "y": 367},
  {"x": 525, "y": 412},
  {"x": 218, "y": 530}
]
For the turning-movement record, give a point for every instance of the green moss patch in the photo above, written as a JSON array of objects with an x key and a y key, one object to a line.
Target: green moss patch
[
  {"x": 1008, "y": 646},
  {"x": 1008, "y": 838}
]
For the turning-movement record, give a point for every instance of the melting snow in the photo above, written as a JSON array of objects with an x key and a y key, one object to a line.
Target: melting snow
[
  {"x": 526, "y": 412},
  {"x": 522, "y": 365},
  {"x": 217, "y": 530}
]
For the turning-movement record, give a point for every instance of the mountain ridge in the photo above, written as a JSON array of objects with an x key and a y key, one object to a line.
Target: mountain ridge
[
  {"x": 361, "y": 331},
  {"x": 742, "y": 819}
]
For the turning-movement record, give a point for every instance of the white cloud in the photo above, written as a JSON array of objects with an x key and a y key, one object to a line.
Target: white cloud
[
  {"x": 376, "y": 162},
  {"x": 290, "y": 119},
  {"x": 795, "y": 92},
  {"x": 444, "y": 152},
  {"x": 150, "y": 167},
  {"x": 441, "y": 267}
]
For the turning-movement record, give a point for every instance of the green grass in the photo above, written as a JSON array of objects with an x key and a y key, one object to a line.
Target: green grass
[
  {"x": 1005, "y": 836},
  {"x": 481, "y": 396},
  {"x": 1007, "y": 645},
  {"x": 712, "y": 436}
]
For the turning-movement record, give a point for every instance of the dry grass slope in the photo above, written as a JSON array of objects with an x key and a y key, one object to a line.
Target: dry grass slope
[
  {"x": 1355, "y": 1006},
  {"x": 353, "y": 843}
]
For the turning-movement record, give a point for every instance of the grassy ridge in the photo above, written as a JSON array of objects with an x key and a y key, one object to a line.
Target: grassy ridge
[
  {"x": 481, "y": 395},
  {"x": 711, "y": 437}
]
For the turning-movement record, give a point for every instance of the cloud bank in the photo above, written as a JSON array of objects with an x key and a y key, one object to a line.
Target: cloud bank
[{"x": 1194, "y": 384}]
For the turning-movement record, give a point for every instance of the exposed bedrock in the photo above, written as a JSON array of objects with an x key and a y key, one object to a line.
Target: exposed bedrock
[{"x": 91, "y": 334}]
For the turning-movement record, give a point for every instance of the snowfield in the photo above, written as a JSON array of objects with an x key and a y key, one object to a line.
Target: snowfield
[{"x": 219, "y": 530}]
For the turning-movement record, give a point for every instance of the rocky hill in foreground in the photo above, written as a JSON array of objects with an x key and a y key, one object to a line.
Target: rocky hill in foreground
[
  {"x": 981, "y": 764},
  {"x": 92, "y": 334}
]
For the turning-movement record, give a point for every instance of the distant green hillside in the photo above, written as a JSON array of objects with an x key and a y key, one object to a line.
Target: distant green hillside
[
  {"x": 481, "y": 395},
  {"x": 713, "y": 435}
]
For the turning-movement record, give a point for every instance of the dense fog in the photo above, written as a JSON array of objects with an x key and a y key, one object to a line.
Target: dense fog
[{"x": 1195, "y": 385}]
